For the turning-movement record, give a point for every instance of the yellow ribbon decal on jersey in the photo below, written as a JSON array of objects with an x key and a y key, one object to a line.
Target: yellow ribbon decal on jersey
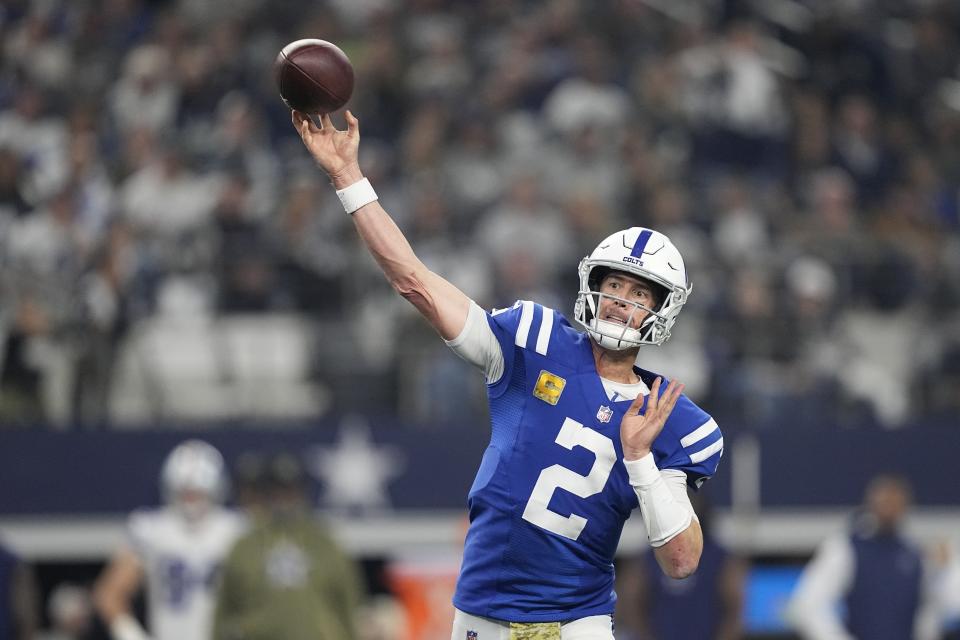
[
  {"x": 535, "y": 630},
  {"x": 549, "y": 387}
]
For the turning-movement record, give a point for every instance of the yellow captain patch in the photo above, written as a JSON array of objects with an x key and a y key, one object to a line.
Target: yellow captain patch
[
  {"x": 549, "y": 387},
  {"x": 535, "y": 630}
]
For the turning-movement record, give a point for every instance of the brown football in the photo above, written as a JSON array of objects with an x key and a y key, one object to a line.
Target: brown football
[{"x": 313, "y": 76}]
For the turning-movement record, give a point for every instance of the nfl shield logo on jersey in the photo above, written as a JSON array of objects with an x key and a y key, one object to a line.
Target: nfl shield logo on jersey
[
  {"x": 471, "y": 635},
  {"x": 604, "y": 414}
]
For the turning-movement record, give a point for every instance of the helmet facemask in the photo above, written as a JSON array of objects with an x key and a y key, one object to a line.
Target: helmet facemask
[{"x": 623, "y": 336}]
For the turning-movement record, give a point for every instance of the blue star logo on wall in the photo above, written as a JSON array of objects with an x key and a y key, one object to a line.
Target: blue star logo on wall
[{"x": 353, "y": 470}]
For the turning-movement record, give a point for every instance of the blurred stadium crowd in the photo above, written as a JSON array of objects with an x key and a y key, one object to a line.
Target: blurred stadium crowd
[{"x": 168, "y": 252}]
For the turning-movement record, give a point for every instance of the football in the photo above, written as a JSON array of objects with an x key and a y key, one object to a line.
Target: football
[{"x": 313, "y": 76}]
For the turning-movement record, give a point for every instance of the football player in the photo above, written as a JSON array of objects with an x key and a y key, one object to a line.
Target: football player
[
  {"x": 176, "y": 550},
  {"x": 580, "y": 435}
]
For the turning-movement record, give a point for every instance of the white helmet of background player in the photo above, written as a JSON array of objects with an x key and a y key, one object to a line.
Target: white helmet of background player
[
  {"x": 643, "y": 253},
  {"x": 193, "y": 478}
]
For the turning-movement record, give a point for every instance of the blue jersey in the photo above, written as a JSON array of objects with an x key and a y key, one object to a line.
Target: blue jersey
[{"x": 551, "y": 496}]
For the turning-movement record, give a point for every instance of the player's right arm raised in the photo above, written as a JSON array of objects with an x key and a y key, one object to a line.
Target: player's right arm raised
[{"x": 443, "y": 305}]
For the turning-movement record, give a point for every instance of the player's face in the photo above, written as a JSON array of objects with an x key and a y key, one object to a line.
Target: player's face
[
  {"x": 628, "y": 288},
  {"x": 193, "y": 504},
  {"x": 888, "y": 502}
]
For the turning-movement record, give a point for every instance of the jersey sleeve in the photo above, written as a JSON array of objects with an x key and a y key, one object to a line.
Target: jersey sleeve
[
  {"x": 478, "y": 345},
  {"x": 525, "y": 325},
  {"x": 691, "y": 442}
]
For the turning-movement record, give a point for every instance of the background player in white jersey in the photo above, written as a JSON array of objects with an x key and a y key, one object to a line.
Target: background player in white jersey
[
  {"x": 580, "y": 435},
  {"x": 175, "y": 550}
]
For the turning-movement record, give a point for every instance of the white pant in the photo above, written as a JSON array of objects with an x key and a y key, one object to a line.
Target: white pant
[{"x": 590, "y": 628}]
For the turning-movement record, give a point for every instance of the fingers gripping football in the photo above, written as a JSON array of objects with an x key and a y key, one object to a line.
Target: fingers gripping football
[
  {"x": 333, "y": 150},
  {"x": 639, "y": 430}
]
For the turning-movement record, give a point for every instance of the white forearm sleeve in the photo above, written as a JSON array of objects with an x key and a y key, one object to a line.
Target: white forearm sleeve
[
  {"x": 478, "y": 345},
  {"x": 664, "y": 513}
]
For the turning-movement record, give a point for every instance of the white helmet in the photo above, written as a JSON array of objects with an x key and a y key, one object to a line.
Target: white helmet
[
  {"x": 643, "y": 253},
  {"x": 193, "y": 466}
]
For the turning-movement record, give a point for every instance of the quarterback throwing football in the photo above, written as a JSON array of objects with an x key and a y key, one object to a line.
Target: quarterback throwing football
[{"x": 580, "y": 435}]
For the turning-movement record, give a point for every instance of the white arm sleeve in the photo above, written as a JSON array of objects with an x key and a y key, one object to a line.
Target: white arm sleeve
[
  {"x": 478, "y": 345},
  {"x": 812, "y": 608},
  {"x": 663, "y": 498},
  {"x": 677, "y": 482}
]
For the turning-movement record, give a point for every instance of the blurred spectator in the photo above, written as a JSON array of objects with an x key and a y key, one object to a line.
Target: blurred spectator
[
  {"x": 21, "y": 398},
  {"x": 440, "y": 68},
  {"x": 472, "y": 167},
  {"x": 70, "y": 610},
  {"x": 750, "y": 375},
  {"x": 942, "y": 383},
  {"x": 733, "y": 99},
  {"x": 109, "y": 300},
  {"x": 740, "y": 231},
  {"x": 240, "y": 145},
  {"x": 859, "y": 149},
  {"x": 18, "y": 598},
  {"x": 882, "y": 377},
  {"x": 589, "y": 97},
  {"x": 13, "y": 198},
  {"x": 244, "y": 266},
  {"x": 250, "y": 489},
  {"x": 585, "y": 161},
  {"x": 175, "y": 551},
  {"x": 39, "y": 136},
  {"x": 287, "y": 578},
  {"x": 309, "y": 245},
  {"x": 706, "y": 606},
  {"x": 831, "y": 227},
  {"x": 875, "y": 571},
  {"x": 526, "y": 236},
  {"x": 38, "y": 48},
  {"x": 166, "y": 201},
  {"x": 145, "y": 94}
]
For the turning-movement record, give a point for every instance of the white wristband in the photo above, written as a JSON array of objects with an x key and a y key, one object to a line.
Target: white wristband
[
  {"x": 642, "y": 472},
  {"x": 126, "y": 627},
  {"x": 356, "y": 195}
]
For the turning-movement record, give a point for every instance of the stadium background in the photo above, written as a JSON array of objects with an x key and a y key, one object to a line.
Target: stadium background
[{"x": 172, "y": 264}]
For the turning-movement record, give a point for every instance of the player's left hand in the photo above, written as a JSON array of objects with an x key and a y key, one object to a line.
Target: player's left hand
[{"x": 639, "y": 430}]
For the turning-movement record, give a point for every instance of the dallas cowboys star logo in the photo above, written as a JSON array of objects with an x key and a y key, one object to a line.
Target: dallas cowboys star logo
[{"x": 355, "y": 471}]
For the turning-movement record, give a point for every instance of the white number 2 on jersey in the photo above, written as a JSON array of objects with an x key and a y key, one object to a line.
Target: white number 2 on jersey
[{"x": 572, "y": 434}]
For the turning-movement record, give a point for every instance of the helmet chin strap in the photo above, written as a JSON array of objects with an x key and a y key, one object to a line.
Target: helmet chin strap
[{"x": 604, "y": 331}]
